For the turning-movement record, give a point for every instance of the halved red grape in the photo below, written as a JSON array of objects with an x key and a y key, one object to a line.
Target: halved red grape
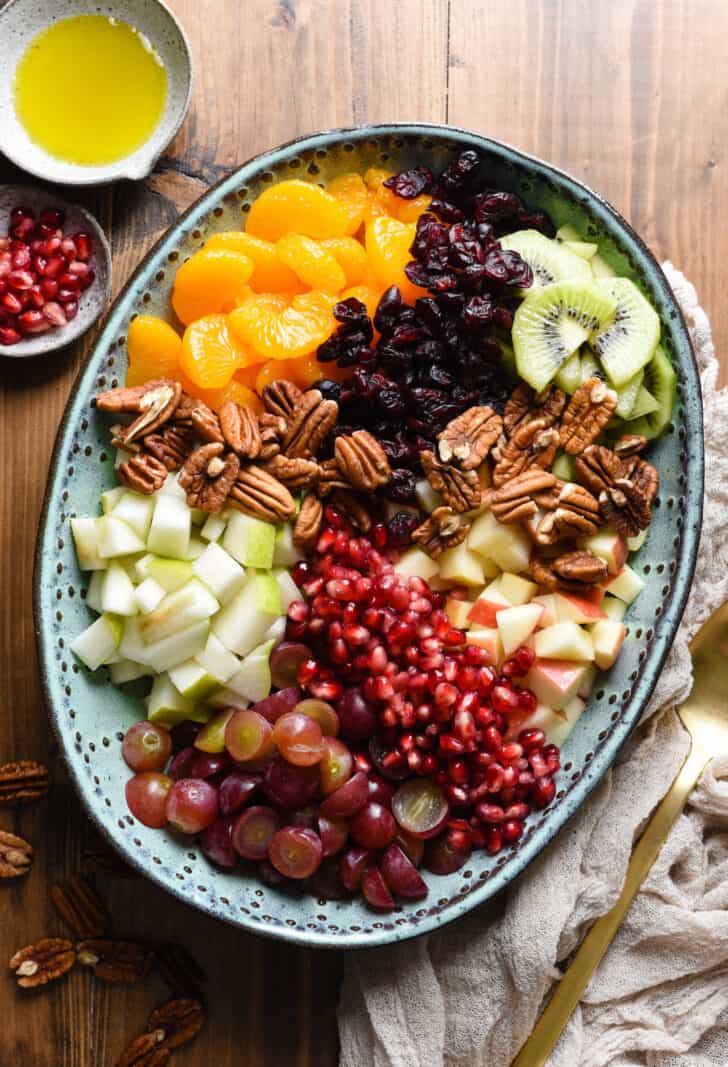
[
  {"x": 358, "y": 718},
  {"x": 235, "y": 790},
  {"x": 420, "y": 807},
  {"x": 217, "y": 843},
  {"x": 373, "y": 826},
  {"x": 268, "y": 874},
  {"x": 295, "y": 851},
  {"x": 334, "y": 834},
  {"x": 184, "y": 733},
  {"x": 307, "y": 817},
  {"x": 253, "y": 830},
  {"x": 247, "y": 735},
  {"x": 375, "y": 890},
  {"x": 323, "y": 713},
  {"x": 289, "y": 786},
  {"x": 326, "y": 881},
  {"x": 401, "y": 876},
  {"x": 380, "y": 790},
  {"x": 146, "y": 795},
  {"x": 299, "y": 739},
  {"x": 284, "y": 661},
  {"x": 348, "y": 798},
  {"x": 336, "y": 765},
  {"x": 352, "y": 866},
  {"x": 146, "y": 746},
  {"x": 211, "y": 737},
  {"x": 191, "y": 805},
  {"x": 442, "y": 858},
  {"x": 207, "y": 764},
  {"x": 413, "y": 847},
  {"x": 278, "y": 704},
  {"x": 180, "y": 765}
]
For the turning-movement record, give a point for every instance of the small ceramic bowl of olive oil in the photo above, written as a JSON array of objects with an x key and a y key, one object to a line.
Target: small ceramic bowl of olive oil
[{"x": 91, "y": 93}]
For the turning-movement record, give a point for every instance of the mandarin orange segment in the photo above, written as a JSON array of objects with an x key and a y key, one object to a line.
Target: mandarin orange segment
[
  {"x": 269, "y": 275},
  {"x": 382, "y": 201},
  {"x": 271, "y": 371},
  {"x": 296, "y": 207},
  {"x": 409, "y": 210},
  {"x": 286, "y": 334},
  {"x": 307, "y": 370},
  {"x": 241, "y": 394},
  {"x": 388, "y": 244},
  {"x": 247, "y": 375},
  {"x": 350, "y": 255},
  {"x": 311, "y": 262},
  {"x": 351, "y": 192},
  {"x": 211, "y": 352},
  {"x": 209, "y": 283},
  {"x": 154, "y": 349}
]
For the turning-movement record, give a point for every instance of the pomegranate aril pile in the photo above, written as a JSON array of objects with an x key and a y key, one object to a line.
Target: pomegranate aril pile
[{"x": 43, "y": 272}]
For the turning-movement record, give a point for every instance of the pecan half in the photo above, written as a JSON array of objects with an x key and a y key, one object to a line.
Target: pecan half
[
  {"x": 331, "y": 477},
  {"x": 206, "y": 424},
  {"x": 312, "y": 420},
  {"x": 143, "y": 473},
  {"x": 116, "y": 961},
  {"x": 22, "y": 782},
  {"x": 630, "y": 444},
  {"x": 240, "y": 429},
  {"x": 281, "y": 398},
  {"x": 525, "y": 405},
  {"x": 98, "y": 852},
  {"x": 468, "y": 439},
  {"x": 145, "y": 1051},
  {"x": 459, "y": 489},
  {"x": 443, "y": 529},
  {"x": 581, "y": 567},
  {"x": 153, "y": 403},
  {"x": 172, "y": 446},
  {"x": 598, "y": 467},
  {"x": 259, "y": 494},
  {"x": 625, "y": 506},
  {"x": 515, "y": 501},
  {"x": 169, "y": 1026},
  {"x": 272, "y": 430},
  {"x": 350, "y": 506},
  {"x": 180, "y": 970},
  {"x": 532, "y": 444},
  {"x": 362, "y": 460},
  {"x": 183, "y": 411},
  {"x": 16, "y": 855},
  {"x": 589, "y": 411},
  {"x": 295, "y": 473},
  {"x": 308, "y": 522},
  {"x": 81, "y": 908},
  {"x": 208, "y": 477},
  {"x": 575, "y": 514},
  {"x": 626, "y": 487},
  {"x": 42, "y": 962},
  {"x": 542, "y": 573}
]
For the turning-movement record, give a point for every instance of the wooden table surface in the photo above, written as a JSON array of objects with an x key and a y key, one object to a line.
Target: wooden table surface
[{"x": 624, "y": 95}]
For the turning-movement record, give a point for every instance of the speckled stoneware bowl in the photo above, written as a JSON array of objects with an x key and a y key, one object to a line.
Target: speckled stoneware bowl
[
  {"x": 90, "y": 715},
  {"x": 22, "y": 20},
  {"x": 92, "y": 300}
]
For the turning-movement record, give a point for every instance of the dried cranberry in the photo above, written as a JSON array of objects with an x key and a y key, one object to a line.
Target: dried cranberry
[
  {"x": 460, "y": 172},
  {"x": 506, "y": 266},
  {"x": 490, "y": 206},
  {"x": 329, "y": 390},
  {"x": 410, "y": 183},
  {"x": 391, "y": 401},
  {"x": 400, "y": 529},
  {"x": 388, "y": 310},
  {"x": 536, "y": 220},
  {"x": 351, "y": 312},
  {"x": 401, "y": 486},
  {"x": 478, "y": 312}
]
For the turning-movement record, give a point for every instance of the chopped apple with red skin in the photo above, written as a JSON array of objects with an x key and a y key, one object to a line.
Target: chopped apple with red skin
[
  {"x": 607, "y": 638},
  {"x": 461, "y": 565},
  {"x": 556, "y": 725},
  {"x": 611, "y": 606},
  {"x": 609, "y": 546},
  {"x": 489, "y": 639},
  {"x": 627, "y": 585},
  {"x": 587, "y": 682},
  {"x": 507, "y": 546},
  {"x": 517, "y": 589},
  {"x": 457, "y": 612},
  {"x": 564, "y": 640},
  {"x": 484, "y": 609},
  {"x": 515, "y": 625},
  {"x": 555, "y": 682},
  {"x": 570, "y": 607},
  {"x": 414, "y": 563},
  {"x": 547, "y": 601}
]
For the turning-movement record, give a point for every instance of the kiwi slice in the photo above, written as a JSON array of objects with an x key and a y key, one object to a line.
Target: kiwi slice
[
  {"x": 549, "y": 260},
  {"x": 589, "y": 366},
  {"x": 644, "y": 404},
  {"x": 661, "y": 381},
  {"x": 564, "y": 467},
  {"x": 629, "y": 341},
  {"x": 627, "y": 395},
  {"x": 552, "y": 322},
  {"x": 600, "y": 267},
  {"x": 569, "y": 376}
]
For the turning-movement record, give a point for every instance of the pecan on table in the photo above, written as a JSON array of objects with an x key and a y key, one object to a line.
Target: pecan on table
[
  {"x": 143, "y": 473},
  {"x": 575, "y": 513},
  {"x": 171, "y": 446},
  {"x": 145, "y": 1051},
  {"x": 42, "y": 962},
  {"x": 532, "y": 444},
  {"x": 208, "y": 476},
  {"x": 81, "y": 908},
  {"x": 179, "y": 1019},
  {"x": 295, "y": 473},
  {"x": 590, "y": 409},
  {"x": 310, "y": 423},
  {"x": 308, "y": 522},
  {"x": 258, "y": 493},
  {"x": 206, "y": 424},
  {"x": 630, "y": 444},
  {"x": 153, "y": 403},
  {"x": 582, "y": 567},
  {"x": 525, "y": 405},
  {"x": 116, "y": 961},
  {"x": 272, "y": 431},
  {"x": 16, "y": 855},
  {"x": 281, "y": 398},
  {"x": 97, "y": 852},
  {"x": 180, "y": 970},
  {"x": 331, "y": 477},
  {"x": 459, "y": 489},
  {"x": 240, "y": 429},
  {"x": 22, "y": 782},
  {"x": 469, "y": 437},
  {"x": 516, "y": 500},
  {"x": 352, "y": 508},
  {"x": 444, "y": 528},
  {"x": 362, "y": 460}
]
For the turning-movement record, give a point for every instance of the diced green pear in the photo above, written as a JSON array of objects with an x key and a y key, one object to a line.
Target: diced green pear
[
  {"x": 227, "y": 698},
  {"x": 213, "y": 528},
  {"x": 285, "y": 553},
  {"x": 116, "y": 538},
  {"x": 195, "y": 549},
  {"x": 93, "y": 593},
  {"x": 111, "y": 498},
  {"x": 193, "y": 681},
  {"x": 98, "y": 641},
  {"x": 122, "y": 456},
  {"x": 289, "y": 589},
  {"x": 117, "y": 591},
  {"x": 86, "y": 539},
  {"x": 198, "y": 516},
  {"x": 217, "y": 660},
  {"x": 126, "y": 670},
  {"x": 166, "y": 705},
  {"x": 171, "y": 651},
  {"x": 277, "y": 630},
  {"x": 169, "y": 534},
  {"x": 243, "y": 622},
  {"x": 171, "y": 574},
  {"x": 131, "y": 645},
  {"x": 135, "y": 510},
  {"x": 188, "y": 605},
  {"x": 250, "y": 541},
  {"x": 219, "y": 571},
  {"x": 172, "y": 488},
  {"x": 252, "y": 679},
  {"x": 148, "y": 595}
]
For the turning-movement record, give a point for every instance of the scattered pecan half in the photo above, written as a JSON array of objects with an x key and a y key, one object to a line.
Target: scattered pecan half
[
  {"x": 153, "y": 403},
  {"x": 180, "y": 970},
  {"x": 443, "y": 529},
  {"x": 22, "y": 782},
  {"x": 42, "y": 962},
  {"x": 575, "y": 514},
  {"x": 308, "y": 522},
  {"x": 581, "y": 567},
  {"x": 240, "y": 429},
  {"x": 468, "y": 439},
  {"x": 171, "y": 446},
  {"x": 350, "y": 506},
  {"x": 169, "y": 1026},
  {"x": 295, "y": 473},
  {"x": 81, "y": 908},
  {"x": 281, "y": 398},
  {"x": 525, "y": 405},
  {"x": 515, "y": 501},
  {"x": 312, "y": 420},
  {"x": 362, "y": 460},
  {"x": 97, "y": 852},
  {"x": 208, "y": 476},
  {"x": 16, "y": 855},
  {"x": 331, "y": 477},
  {"x": 259, "y": 494},
  {"x": 206, "y": 424},
  {"x": 116, "y": 961},
  {"x": 459, "y": 489},
  {"x": 532, "y": 444},
  {"x": 272, "y": 431},
  {"x": 143, "y": 473},
  {"x": 589, "y": 411},
  {"x": 630, "y": 444},
  {"x": 145, "y": 1051}
]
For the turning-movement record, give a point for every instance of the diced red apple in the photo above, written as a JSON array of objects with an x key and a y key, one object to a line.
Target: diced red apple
[
  {"x": 557, "y": 725},
  {"x": 554, "y": 682},
  {"x": 612, "y": 608},
  {"x": 607, "y": 638},
  {"x": 487, "y": 638},
  {"x": 627, "y": 585},
  {"x": 516, "y": 625},
  {"x": 461, "y": 565},
  {"x": 587, "y": 682},
  {"x": 609, "y": 546},
  {"x": 564, "y": 640},
  {"x": 548, "y": 602},
  {"x": 517, "y": 589},
  {"x": 483, "y": 611},
  {"x": 572, "y": 608},
  {"x": 507, "y": 546},
  {"x": 457, "y": 612}
]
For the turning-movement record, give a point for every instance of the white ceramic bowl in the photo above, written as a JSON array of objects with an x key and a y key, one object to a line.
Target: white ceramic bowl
[{"x": 22, "y": 20}]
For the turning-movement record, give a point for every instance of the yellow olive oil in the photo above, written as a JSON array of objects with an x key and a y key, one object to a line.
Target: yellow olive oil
[{"x": 90, "y": 90}]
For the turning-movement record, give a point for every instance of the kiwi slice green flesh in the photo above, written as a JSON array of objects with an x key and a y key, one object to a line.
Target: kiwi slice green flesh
[
  {"x": 549, "y": 260},
  {"x": 553, "y": 322},
  {"x": 564, "y": 467},
  {"x": 589, "y": 366},
  {"x": 644, "y": 404},
  {"x": 600, "y": 267},
  {"x": 569, "y": 377},
  {"x": 628, "y": 342},
  {"x": 661, "y": 381},
  {"x": 627, "y": 395}
]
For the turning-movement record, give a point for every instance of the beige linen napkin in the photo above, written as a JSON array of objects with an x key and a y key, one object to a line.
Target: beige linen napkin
[{"x": 469, "y": 996}]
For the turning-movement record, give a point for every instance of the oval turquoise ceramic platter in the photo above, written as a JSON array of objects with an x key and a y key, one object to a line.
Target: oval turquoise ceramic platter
[{"x": 89, "y": 714}]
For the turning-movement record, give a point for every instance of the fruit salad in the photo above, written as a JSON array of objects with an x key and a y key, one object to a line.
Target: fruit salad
[{"x": 378, "y": 487}]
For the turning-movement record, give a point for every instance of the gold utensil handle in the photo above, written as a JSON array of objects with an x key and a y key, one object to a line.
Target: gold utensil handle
[{"x": 557, "y": 1012}]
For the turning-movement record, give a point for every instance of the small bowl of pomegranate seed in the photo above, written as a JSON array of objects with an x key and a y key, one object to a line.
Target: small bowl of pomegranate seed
[{"x": 55, "y": 271}]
